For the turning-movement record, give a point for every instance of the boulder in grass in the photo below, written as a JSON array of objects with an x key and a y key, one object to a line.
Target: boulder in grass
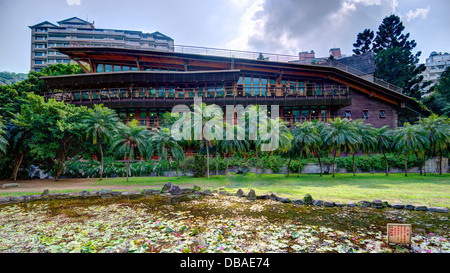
[
  {"x": 410, "y": 207},
  {"x": 298, "y": 201},
  {"x": 207, "y": 192},
  {"x": 175, "y": 190},
  {"x": 364, "y": 204},
  {"x": 273, "y": 197},
  {"x": 166, "y": 187},
  {"x": 223, "y": 192},
  {"x": 197, "y": 188},
  {"x": 328, "y": 204},
  {"x": 251, "y": 195},
  {"x": 339, "y": 204},
  {"x": 378, "y": 204},
  {"x": 283, "y": 199},
  {"x": 308, "y": 199},
  {"x": 397, "y": 206},
  {"x": 318, "y": 202},
  {"x": 4, "y": 200},
  {"x": 239, "y": 193},
  {"x": 351, "y": 204},
  {"x": 421, "y": 208},
  {"x": 438, "y": 209}
]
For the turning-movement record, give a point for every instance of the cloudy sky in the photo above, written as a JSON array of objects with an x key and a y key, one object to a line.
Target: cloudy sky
[{"x": 272, "y": 26}]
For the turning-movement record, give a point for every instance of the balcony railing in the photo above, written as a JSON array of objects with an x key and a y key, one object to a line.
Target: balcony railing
[{"x": 327, "y": 91}]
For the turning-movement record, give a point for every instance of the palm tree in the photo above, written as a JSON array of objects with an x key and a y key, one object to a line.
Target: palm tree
[
  {"x": 366, "y": 141},
  {"x": 128, "y": 140},
  {"x": 101, "y": 123},
  {"x": 235, "y": 145},
  {"x": 383, "y": 143},
  {"x": 305, "y": 135},
  {"x": 206, "y": 115},
  {"x": 274, "y": 135},
  {"x": 438, "y": 134},
  {"x": 410, "y": 139},
  {"x": 165, "y": 146},
  {"x": 338, "y": 134},
  {"x": 317, "y": 146}
]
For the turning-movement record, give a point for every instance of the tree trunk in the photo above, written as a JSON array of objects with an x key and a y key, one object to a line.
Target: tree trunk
[
  {"x": 418, "y": 162},
  {"x": 178, "y": 170},
  {"x": 17, "y": 165},
  {"x": 170, "y": 168},
  {"x": 353, "y": 164},
  {"x": 101, "y": 155},
  {"x": 334, "y": 159},
  {"x": 300, "y": 162},
  {"x": 228, "y": 163},
  {"x": 387, "y": 167},
  {"x": 128, "y": 167},
  {"x": 320, "y": 162},
  {"x": 406, "y": 164},
  {"x": 207, "y": 160},
  {"x": 217, "y": 166},
  {"x": 424, "y": 164},
  {"x": 289, "y": 166}
]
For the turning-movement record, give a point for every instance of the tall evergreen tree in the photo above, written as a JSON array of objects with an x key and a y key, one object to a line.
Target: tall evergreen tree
[
  {"x": 394, "y": 61},
  {"x": 363, "y": 42}
]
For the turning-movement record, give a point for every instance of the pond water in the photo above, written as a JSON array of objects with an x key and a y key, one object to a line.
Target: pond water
[{"x": 197, "y": 223}]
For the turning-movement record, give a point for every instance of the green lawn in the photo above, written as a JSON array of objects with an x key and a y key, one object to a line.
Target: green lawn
[{"x": 430, "y": 190}]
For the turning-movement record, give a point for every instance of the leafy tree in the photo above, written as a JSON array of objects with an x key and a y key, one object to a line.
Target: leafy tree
[
  {"x": 438, "y": 134},
  {"x": 165, "y": 146},
  {"x": 409, "y": 139},
  {"x": 305, "y": 135},
  {"x": 56, "y": 131},
  {"x": 363, "y": 42},
  {"x": 339, "y": 134},
  {"x": 129, "y": 140},
  {"x": 383, "y": 143},
  {"x": 235, "y": 145},
  {"x": 439, "y": 100},
  {"x": 366, "y": 141},
  {"x": 394, "y": 60},
  {"x": 101, "y": 124}
]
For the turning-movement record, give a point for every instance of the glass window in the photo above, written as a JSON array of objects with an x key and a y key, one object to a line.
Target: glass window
[
  {"x": 131, "y": 114},
  {"x": 366, "y": 114},
  {"x": 125, "y": 68},
  {"x": 133, "y": 68},
  {"x": 99, "y": 68},
  {"x": 108, "y": 68},
  {"x": 382, "y": 113},
  {"x": 38, "y": 62},
  {"x": 314, "y": 112},
  {"x": 116, "y": 68},
  {"x": 348, "y": 114},
  {"x": 123, "y": 114},
  {"x": 305, "y": 112}
]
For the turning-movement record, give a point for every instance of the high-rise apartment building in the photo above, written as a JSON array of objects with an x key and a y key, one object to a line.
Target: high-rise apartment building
[
  {"x": 74, "y": 32},
  {"x": 436, "y": 65}
]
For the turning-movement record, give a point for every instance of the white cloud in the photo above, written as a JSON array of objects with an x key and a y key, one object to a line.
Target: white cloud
[
  {"x": 73, "y": 2},
  {"x": 418, "y": 13}
]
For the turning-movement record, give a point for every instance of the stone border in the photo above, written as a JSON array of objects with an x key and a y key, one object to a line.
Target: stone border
[{"x": 168, "y": 189}]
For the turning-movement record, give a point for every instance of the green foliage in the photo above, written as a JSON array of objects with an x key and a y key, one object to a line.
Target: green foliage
[
  {"x": 7, "y": 78},
  {"x": 363, "y": 42},
  {"x": 439, "y": 100}
]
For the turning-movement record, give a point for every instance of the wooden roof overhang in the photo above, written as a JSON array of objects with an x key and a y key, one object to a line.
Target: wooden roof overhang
[
  {"x": 67, "y": 81},
  {"x": 95, "y": 55}
]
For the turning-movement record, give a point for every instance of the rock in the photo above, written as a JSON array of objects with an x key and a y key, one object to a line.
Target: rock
[
  {"x": 328, "y": 204},
  {"x": 53, "y": 195},
  {"x": 35, "y": 197},
  {"x": 45, "y": 193},
  {"x": 421, "y": 208},
  {"x": 84, "y": 194},
  {"x": 273, "y": 197},
  {"x": 148, "y": 192},
  {"x": 207, "y": 192},
  {"x": 351, "y": 204},
  {"x": 166, "y": 187},
  {"x": 175, "y": 190},
  {"x": 378, "y": 204},
  {"x": 197, "y": 188},
  {"x": 298, "y": 201},
  {"x": 223, "y": 192},
  {"x": 4, "y": 200},
  {"x": 187, "y": 190},
  {"x": 339, "y": 204},
  {"x": 318, "y": 203},
  {"x": 438, "y": 209},
  {"x": 409, "y": 207},
  {"x": 221, "y": 188},
  {"x": 105, "y": 192},
  {"x": 308, "y": 199},
  {"x": 398, "y": 206},
  {"x": 364, "y": 204},
  {"x": 263, "y": 196},
  {"x": 251, "y": 195},
  {"x": 10, "y": 185},
  {"x": 239, "y": 193},
  {"x": 283, "y": 199},
  {"x": 94, "y": 193},
  {"x": 16, "y": 199}
]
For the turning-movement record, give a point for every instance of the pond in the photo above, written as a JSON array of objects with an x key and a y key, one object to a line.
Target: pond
[{"x": 194, "y": 223}]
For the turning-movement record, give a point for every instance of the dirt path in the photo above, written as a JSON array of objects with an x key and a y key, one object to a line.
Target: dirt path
[{"x": 66, "y": 184}]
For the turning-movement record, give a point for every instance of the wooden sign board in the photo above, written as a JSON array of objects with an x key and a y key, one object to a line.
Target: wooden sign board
[{"x": 399, "y": 233}]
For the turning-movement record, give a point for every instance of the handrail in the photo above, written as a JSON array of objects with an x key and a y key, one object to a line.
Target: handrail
[{"x": 183, "y": 93}]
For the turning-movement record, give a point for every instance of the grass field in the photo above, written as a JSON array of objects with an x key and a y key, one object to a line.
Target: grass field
[{"x": 430, "y": 190}]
